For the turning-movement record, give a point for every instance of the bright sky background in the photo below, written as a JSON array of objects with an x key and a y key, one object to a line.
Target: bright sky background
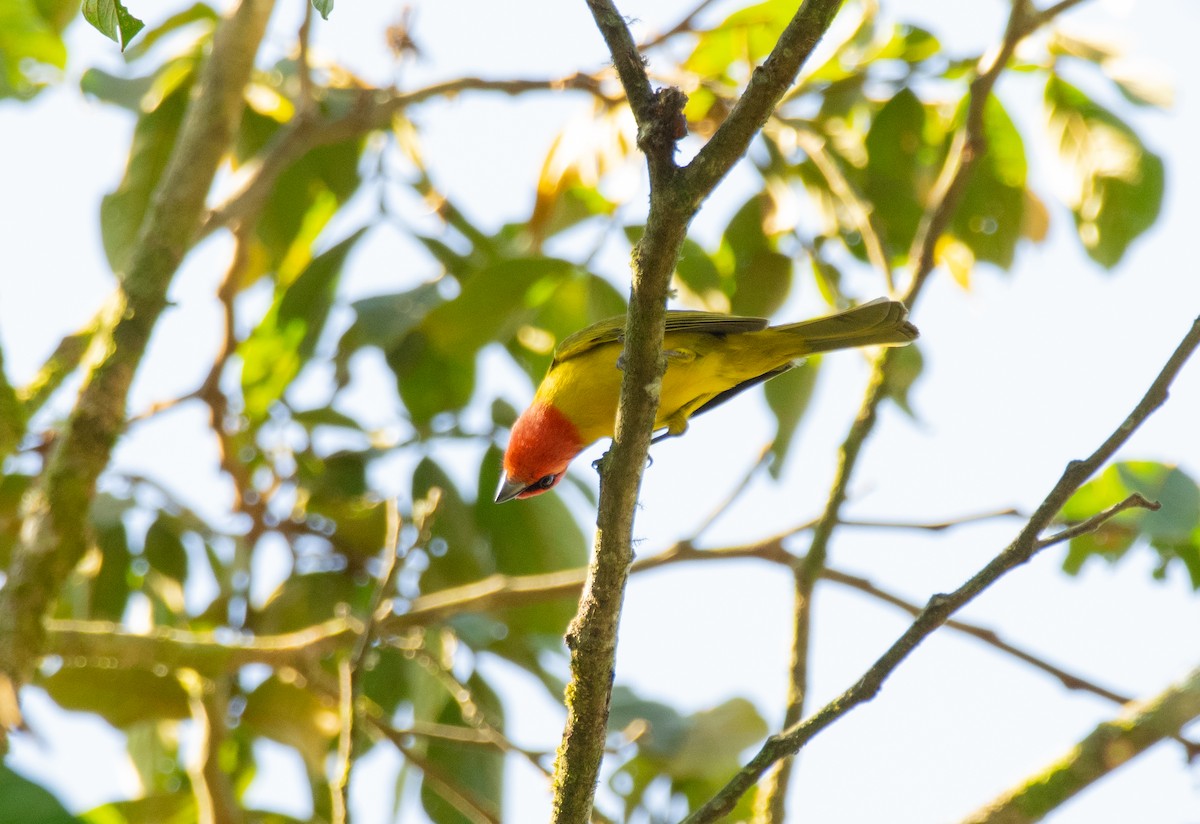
[{"x": 1023, "y": 373}]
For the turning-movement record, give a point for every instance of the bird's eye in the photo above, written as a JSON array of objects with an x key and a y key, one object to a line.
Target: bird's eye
[{"x": 545, "y": 482}]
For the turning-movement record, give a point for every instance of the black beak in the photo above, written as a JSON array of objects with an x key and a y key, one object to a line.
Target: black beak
[{"x": 508, "y": 489}]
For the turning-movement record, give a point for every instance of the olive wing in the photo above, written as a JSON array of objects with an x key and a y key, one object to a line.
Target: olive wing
[{"x": 612, "y": 329}]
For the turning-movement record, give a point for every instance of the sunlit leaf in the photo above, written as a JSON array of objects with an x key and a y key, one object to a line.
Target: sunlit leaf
[
  {"x": 744, "y": 37},
  {"x": 273, "y": 355},
  {"x": 323, "y": 7},
  {"x": 112, "y": 19},
  {"x": 121, "y": 697},
  {"x": 196, "y": 13},
  {"x": 1118, "y": 182},
  {"x": 29, "y": 44},
  {"x": 577, "y": 302},
  {"x": 122, "y": 211},
  {"x": 991, "y": 214},
  {"x": 287, "y": 712}
]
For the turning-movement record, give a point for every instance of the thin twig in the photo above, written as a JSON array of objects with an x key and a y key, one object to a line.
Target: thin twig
[
  {"x": 1134, "y": 501},
  {"x": 685, "y": 24},
  {"x": 350, "y": 665}
]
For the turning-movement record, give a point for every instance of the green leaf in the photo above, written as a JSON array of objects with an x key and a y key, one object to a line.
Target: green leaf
[
  {"x": 12, "y": 491},
  {"x": 296, "y": 717},
  {"x": 696, "y": 753},
  {"x": 579, "y": 301},
  {"x": 1173, "y": 531},
  {"x": 273, "y": 355},
  {"x": 122, "y": 697},
  {"x": 906, "y": 366},
  {"x": 788, "y": 396},
  {"x": 991, "y": 215},
  {"x": 304, "y": 600},
  {"x": 165, "y": 808},
  {"x": 458, "y": 553},
  {"x": 324, "y": 7},
  {"x": 435, "y": 362},
  {"x": 383, "y": 321},
  {"x": 29, "y": 43},
  {"x": 163, "y": 548},
  {"x": 540, "y": 535},
  {"x": 112, "y": 19},
  {"x": 898, "y": 169},
  {"x": 122, "y": 211},
  {"x": 1118, "y": 186},
  {"x": 196, "y": 13},
  {"x": 478, "y": 772},
  {"x": 761, "y": 275},
  {"x": 110, "y": 588},
  {"x": 24, "y": 802},
  {"x": 744, "y": 37}
]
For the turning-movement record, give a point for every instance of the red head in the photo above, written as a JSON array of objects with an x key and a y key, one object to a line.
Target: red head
[{"x": 543, "y": 442}]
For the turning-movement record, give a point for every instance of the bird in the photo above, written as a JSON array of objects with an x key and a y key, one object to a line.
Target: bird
[{"x": 710, "y": 358}]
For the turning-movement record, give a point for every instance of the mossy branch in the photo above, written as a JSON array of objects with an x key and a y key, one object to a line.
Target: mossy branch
[
  {"x": 675, "y": 196},
  {"x": 55, "y": 534},
  {"x": 1111, "y": 744}
]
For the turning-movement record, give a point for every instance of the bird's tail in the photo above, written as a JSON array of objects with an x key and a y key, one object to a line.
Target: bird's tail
[{"x": 881, "y": 322}]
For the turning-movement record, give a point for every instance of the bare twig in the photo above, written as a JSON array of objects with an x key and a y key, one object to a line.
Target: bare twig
[
  {"x": 208, "y": 703},
  {"x": 685, "y": 24},
  {"x": 941, "y": 607},
  {"x": 1134, "y": 501},
  {"x": 350, "y": 665},
  {"x": 371, "y": 110}
]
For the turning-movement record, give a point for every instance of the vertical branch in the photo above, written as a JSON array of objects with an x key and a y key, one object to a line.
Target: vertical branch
[
  {"x": 55, "y": 534},
  {"x": 968, "y": 146},
  {"x": 675, "y": 196}
]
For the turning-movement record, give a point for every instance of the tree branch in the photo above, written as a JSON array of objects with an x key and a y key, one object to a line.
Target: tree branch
[
  {"x": 941, "y": 607},
  {"x": 56, "y": 511},
  {"x": 1107, "y": 747},
  {"x": 370, "y": 111},
  {"x": 968, "y": 146},
  {"x": 674, "y": 199},
  {"x": 768, "y": 84}
]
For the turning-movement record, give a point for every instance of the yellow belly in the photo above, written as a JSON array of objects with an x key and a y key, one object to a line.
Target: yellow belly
[{"x": 587, "y": 387}]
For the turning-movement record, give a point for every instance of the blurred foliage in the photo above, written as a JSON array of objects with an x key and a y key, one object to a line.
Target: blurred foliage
[
  {"x": 844, "y": 178},
  {"x": 1173, "y": 531}
]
